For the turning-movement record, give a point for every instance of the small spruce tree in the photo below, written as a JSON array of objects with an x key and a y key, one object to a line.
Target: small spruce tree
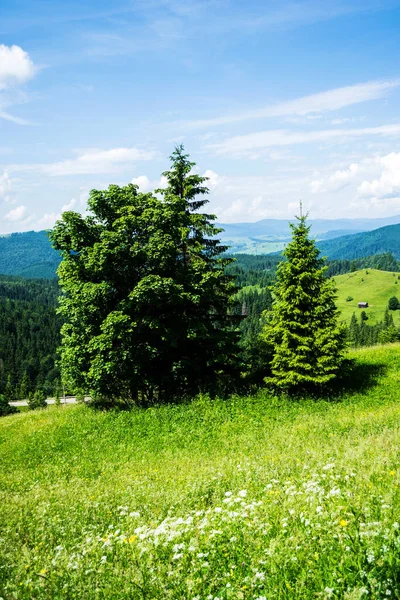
[
  {"x": 5, "y": 407},
  {"x": 37, "y": 400},
  {"x": 308, "y": 341},
  {"x": 394, "y": 303}
]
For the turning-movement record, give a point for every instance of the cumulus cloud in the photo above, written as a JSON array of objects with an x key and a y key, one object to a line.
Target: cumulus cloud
[
  {"x": 339, "y": 180},
  {"x": 148, "y": 185},
  {"x": 16, "y": 67},
  {"x": 17, "y": 214},
  {"x": 214, "y": 180},
  {"x": 322, "y": 102},
  {"x": 387, "y": 185},
  {"x": 48, "y": 220},
  {"x": 5, "y": 187},
  {"x": 70, "y": 206}
]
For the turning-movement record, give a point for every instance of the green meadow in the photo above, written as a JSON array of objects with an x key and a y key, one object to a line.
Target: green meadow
[
  {"x": 368, "y": 285},
  {"x": 252, "y": 498}
]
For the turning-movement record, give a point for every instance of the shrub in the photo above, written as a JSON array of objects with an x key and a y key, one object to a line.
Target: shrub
[{"x": 38, "y": 400}]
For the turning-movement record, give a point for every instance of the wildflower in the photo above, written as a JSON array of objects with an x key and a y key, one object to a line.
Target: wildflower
[
  {"x": 343, "y": 523},
  {"x": 134, "y": 514},
  {"x": 177, "y": 556},
  {"x": 242, "y": 493},
  {"x": 43, "y": 571},
  {"x": 329, "y": 591},
  {"x": 103, "y": 559}
]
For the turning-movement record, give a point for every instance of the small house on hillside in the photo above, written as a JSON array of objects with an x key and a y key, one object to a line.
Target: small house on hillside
[{"x": 363, "y": 305}]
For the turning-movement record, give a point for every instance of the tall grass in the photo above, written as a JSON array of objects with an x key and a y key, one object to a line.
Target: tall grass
[{"x": 250, "y": 498}]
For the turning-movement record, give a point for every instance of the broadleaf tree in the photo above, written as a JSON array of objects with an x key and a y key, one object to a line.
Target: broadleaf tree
[
  {"x": 303, "y": 329},
  {"x": 145, "y": 297}
]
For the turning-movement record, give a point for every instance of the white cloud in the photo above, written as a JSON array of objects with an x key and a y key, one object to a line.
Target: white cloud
[
  {"x": 322, "y": 102},
  {"x": 242, "y": 144},
  {"x": 90, "y": 162},
  {"x": 48, "y": 220},
  {"x": 16, "y": 214},
  {"x": 5, "y": 187},
  {"x": 70, "y": 206},
  {"x": 16, "y": 67},
  {"x": 339, "y": 180},
  {"x": 214, "y": 180},
  {"x": 98, "y": 161},
  {"x": 388, "y": 184},
  {"x": 144, "y": 183},
  {"x": 148, "y": 185}
]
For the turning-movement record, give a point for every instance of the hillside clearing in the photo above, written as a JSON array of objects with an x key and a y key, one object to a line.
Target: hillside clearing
[
  {"x": 368, "y": 285},
  {"x": 251, "y": 498}
]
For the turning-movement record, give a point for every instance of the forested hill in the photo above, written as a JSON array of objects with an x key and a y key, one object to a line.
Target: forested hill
[
  {"x": 29, "y": 336},
  {"x": 31, "y": 255},
  {"x": 378, "y": 241},
  {"x": 28, "y": 254}
]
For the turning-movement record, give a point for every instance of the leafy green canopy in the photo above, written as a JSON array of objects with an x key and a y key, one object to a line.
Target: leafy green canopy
[
  {"x": 303, "y": 327},
  {"x": 145, "y": 293}
]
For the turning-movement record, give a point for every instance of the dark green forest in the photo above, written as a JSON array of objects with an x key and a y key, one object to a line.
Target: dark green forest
[
  {"x": 29, "y": 326},
  {"x": 29, "y": 336},
  {"x": 29, "y": 254}
]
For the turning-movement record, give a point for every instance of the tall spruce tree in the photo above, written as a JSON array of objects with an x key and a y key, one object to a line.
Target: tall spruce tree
[
  {"x": 205, "y": 357},
  {"x": 303, "y": 329}
]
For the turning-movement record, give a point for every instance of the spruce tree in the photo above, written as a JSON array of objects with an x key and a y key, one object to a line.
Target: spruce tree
[
  {"x": 5, "y": 407},
  {"x": 204, "y": 355},
  {"x": 307, "y": 339}
]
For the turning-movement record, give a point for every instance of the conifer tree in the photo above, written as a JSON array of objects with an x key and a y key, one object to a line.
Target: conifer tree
[
  {"x": 205, "y": 353},
  {"x": 5, "y": 407},
  {"x": 303, "y": 329}
]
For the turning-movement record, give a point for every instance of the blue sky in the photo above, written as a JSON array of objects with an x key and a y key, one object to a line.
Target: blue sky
[{"x": 274, "y": 100}]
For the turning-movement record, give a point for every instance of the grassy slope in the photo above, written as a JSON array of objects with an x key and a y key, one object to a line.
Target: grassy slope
[
  {"x": 372, "y": 286},
  {"x": 307, "y": 480}
]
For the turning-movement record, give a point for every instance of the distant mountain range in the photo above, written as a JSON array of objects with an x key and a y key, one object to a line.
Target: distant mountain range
[
  {"x": 271, "y": 235},
  {"x": 378, "y": 241},
  {"x": 30, "y": 254}
]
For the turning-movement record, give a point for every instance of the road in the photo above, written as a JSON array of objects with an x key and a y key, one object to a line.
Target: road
[{"x": 68, "y": 400}]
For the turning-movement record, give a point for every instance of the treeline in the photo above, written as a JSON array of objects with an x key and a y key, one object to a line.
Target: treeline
[
  {"x": 381, "y": 262},
  {"x": 251, "y": 269},
  {"x": 360, "y": 333},
  {"x": 29, "y": 337}
]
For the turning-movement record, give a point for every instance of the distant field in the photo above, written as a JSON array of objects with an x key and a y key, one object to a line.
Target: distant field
[
  {"x": 247, "y": 499},
  {"x": 368, "y": 285},
  {"x": 254, "y": 245}
]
